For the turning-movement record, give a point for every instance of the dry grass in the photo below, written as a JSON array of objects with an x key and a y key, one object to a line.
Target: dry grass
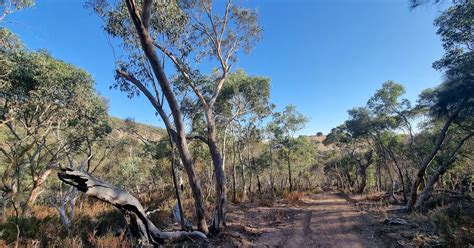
[
  {"x": 110, "y": 241},
  {"x": 375, "y": 196},
  {"x": 294, "y": 197},
  {"x": 92, "y": 227}
]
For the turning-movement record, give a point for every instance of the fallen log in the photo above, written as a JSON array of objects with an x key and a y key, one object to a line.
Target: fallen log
[{"x": 140, "y": 225}]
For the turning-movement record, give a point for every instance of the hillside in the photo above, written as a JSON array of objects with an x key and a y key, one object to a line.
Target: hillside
[
  {"x": 149, "y": 132},
  {"x": 318, "y": 139}
]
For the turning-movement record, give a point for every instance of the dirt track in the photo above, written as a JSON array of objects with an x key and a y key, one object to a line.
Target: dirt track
[{"x": 320, "y": 220}]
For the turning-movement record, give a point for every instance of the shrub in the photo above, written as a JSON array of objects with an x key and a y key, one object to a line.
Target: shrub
[{"x": 456, "y": 223}]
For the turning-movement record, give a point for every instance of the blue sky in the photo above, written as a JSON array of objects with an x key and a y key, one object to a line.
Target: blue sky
[{"x": 323, "y": 56}]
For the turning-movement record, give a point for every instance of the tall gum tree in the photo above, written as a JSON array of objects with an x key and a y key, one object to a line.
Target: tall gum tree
[
  {"x": 287, "y": 123},
  {"x": 453, "y": 100},
  {"x": 184, "y": 33}
]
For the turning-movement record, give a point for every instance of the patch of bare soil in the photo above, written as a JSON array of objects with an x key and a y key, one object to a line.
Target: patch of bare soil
[{"x": 318, "y": 220}]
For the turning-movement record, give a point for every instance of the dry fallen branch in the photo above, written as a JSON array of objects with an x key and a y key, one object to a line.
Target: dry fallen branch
[{"x": 140, "y": 226}]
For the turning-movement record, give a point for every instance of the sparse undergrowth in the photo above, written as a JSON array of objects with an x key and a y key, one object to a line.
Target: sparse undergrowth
[{"x": 446, "y": 221}]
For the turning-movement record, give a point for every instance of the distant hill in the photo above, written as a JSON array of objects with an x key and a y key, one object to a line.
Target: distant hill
[
  {"x": 319, "y": 140},
  {"x": 147, "y": 131}
]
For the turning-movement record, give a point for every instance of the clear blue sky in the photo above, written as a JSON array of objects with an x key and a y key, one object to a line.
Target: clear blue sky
[{"x": 324, "y": 56}]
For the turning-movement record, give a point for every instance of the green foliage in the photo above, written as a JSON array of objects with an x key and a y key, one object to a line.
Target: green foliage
[
  {"x": 9, "y": 42},
  {"x": 9, "y": 6},
  {"x": 455, "y": 28},
  {"x": 182, "y": 29},
  {"x": 49, "y": 112},
  {"x": 289, "y": 121},
  {"x": 28, "y": 226},
  {"x": 243, "y": 95},
  {"x": 456, "y": 223}
]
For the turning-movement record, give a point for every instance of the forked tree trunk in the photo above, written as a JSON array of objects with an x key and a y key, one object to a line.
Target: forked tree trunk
[
  {"x": 438, "y": 173},
  {"x": 181, "y": 143},
  {"x": 428, "y": 159},
  {"x": 140, "y": 225}
]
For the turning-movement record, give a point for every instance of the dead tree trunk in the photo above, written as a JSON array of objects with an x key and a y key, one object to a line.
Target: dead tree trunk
[
  {"x": 61, "y": 201},
  {"x": 140, "y": 225}
]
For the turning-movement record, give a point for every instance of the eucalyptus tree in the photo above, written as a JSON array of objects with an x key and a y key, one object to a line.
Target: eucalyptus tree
[
  {"x": 392, "y": 113},
  {"x": 286, "y": 123},
  {"x": 185, "y": 33},
  {"x": 452, "y": 101},
  {"x": 46, "y": 108},
  {"x": 361, "y": 128},
  {"x": 342, "y": 161},
  {"x": 271, "y": 131},
  {"x": 247, "y": 135},
  {"x": 303, "y": 154},
  {"x": 10, "y": 6},
  {"x": 448, "y": 157},
  {"x": 243, "y": 98}
]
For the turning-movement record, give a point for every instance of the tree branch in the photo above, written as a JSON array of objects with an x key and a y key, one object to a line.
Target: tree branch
[
  {"x": 128, "y": 204},
  {"x": 198, "y": 137}
]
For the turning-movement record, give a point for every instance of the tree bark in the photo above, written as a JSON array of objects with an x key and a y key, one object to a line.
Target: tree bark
[
  {"x": 35, "y": 191},
  {"x": 221, "y": 187},
  {"x": 180, "y": 214},
  {"x": 140, "y": 225},
  {"x": 234, "y": 193},
  {"x": 242, "y": 165},
  {"x": 362, "y": 170},
  {"x": 259, "y": 185},
  {"x": 272, "y": 179},
  {"x": 182, "y": 145}
]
